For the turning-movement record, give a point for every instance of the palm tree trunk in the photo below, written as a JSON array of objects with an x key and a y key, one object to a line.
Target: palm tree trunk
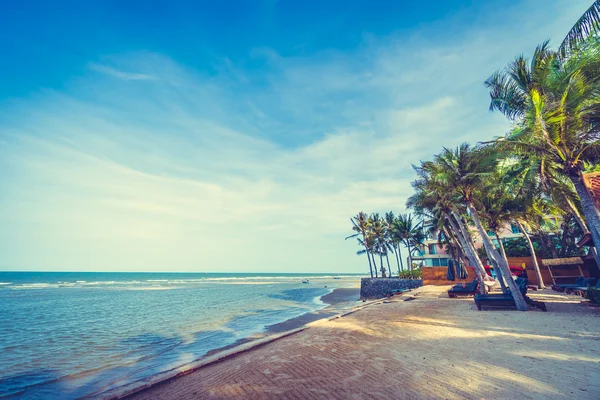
[
  {"x": 493, "y": 253},
  {"x": 536, "y": 267},
  {"x": 374, "y": 265},
  {"x": 409, "y": 259},
  {"x": 592, "y": 214},
  {"x": 400, "y": 257},
  {"x": 388, "y": 263},
  {"x": 495, "y": 265},
  {"x": 499, "y": 276},
  {"x": 381, "y": 264},
  {"x": 396, "y": 247},
  {"x": 369, "y": 258},
  {"x": 501, "y": 246},
  {"x": 577, "y": 215},
  {"x": 469, "y": 248}
]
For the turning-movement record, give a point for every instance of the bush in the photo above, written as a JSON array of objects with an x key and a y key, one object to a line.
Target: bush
[{"x": 414, "y": 274}]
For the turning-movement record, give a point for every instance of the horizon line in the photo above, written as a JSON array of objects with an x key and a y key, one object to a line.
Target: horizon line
[{"x": 191, "y": 272}]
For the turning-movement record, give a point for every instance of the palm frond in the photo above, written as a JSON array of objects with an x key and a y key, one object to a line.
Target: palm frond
[{"x": 587, "y": 25}]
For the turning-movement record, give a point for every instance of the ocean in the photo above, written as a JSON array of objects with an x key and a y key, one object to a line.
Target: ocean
[{"x": 71, "y": 335}]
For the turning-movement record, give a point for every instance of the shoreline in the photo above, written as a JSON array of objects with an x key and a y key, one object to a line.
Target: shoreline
[
  {"x": 397, "y": 349},
  {"x": 340, "y": 302},
  {"x": 336, "y": 300}
]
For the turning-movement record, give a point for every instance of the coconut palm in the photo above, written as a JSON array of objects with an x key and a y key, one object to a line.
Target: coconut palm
[
  {"x": 439, "y": 205},
  {"x": 380, "y": 239},
  {"x": 360, "y": 225},
  {"x": 463, "y": 170},
  {"x": 536, "y": 178},
  {"x": 410, "y": 234},
  {"x": 588, "y": 24},
  {"x": 554, "y": 104},
  {"x": 392, "y": 237}
]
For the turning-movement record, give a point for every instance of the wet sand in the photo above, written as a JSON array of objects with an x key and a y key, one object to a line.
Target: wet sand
[
  {"x": 337, "y": 300},
  {"x": 432, "y": 347}
]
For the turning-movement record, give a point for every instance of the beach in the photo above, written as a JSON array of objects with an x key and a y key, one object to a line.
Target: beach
[{"x": 430, "y": 347}]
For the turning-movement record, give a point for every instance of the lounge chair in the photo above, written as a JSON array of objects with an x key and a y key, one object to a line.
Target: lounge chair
[
  {"x": 506, "y": 300},
  {"x": 587, "y": 282},
  {"x": 583, "y": 290},
  {"x": 464, "y": 290},
  {"x": 579, "y": 283}
]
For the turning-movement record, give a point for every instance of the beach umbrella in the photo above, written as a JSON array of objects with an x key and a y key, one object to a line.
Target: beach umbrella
[
  {"x": 450, "y": 273},
  {"x": 461, "y": 271}
]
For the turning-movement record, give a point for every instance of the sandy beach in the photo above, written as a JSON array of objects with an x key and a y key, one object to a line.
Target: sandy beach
[{"x": 430, "y": 347}]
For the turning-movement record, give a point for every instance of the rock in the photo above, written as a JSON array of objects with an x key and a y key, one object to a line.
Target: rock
[{"x": 376, "y": 288}]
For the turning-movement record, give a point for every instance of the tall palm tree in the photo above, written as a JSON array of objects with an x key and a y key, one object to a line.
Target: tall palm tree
[
  {"x": 434, "y": 201},
  {"x": 380, "y": 240},
  {"x": 397, "y": 241},
  {"x": 463, "y": 171},
  {"x": 409, "y": 233},
  {"x": 554, "y": 104},
  {"x": 392, "y": 236},
  {"x": 537, "y": 179},
  {"x": 360, "y": 225}
]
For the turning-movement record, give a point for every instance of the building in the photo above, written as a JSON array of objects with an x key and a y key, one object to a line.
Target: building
[{"x": 431, "y": 254}]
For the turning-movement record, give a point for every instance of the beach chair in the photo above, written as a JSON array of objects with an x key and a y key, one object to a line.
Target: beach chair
[
  {"x": 506, "y": 300},
  {"x": 584, "y": 291},
  {"x": 579, "y": 283},
  {"x": 586, "y": 284},
  {"x": 464, "y": 290}
]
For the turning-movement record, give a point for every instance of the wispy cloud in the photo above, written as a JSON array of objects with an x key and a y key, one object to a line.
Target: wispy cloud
[
  {"x": 243, "y": 169},
  {"x": 103, "y": 69}
]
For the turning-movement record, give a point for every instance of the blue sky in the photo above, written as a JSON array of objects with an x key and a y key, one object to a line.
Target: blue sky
[{"x": 235, "y": 135}]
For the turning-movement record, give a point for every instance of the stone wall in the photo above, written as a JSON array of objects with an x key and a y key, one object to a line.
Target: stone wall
[{"x": 375, "y": 288}]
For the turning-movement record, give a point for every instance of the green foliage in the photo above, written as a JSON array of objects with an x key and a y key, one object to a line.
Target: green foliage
[
  {"x": 414, "y": 274},
  {"x": 518, "y": 247},
  {"x": 379, "y": 236}
]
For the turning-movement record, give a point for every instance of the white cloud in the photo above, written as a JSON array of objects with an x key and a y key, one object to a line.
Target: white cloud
[
  {"x": 177, "y": 170},
  {"x": 103, "y": 69}
]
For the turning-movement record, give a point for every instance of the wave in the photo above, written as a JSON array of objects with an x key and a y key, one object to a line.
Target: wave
[{"x": 240, "y": 280}]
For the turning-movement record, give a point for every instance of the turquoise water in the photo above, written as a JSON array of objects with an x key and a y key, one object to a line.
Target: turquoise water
[{"x": 70, "y": 335}]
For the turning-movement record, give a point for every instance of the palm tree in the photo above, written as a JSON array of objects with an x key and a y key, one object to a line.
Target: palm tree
[
  {"x": 379, "y": 236},
  {"x": 436, "y": 202},
  {"x": 496, "y": 204},
  {"x": 392, "y": 236},
  {"x": 409, "y": 234},
  {"x": 360, "y": 226},
  {"x": 554, "y": 104},
  {"x": 463, "y": 171},
  {"x": 538, "y": 179},
  {"x": 587, "y": 25}
]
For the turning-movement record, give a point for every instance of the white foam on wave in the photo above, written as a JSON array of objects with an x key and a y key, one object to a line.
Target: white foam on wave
[
  {"x": 317, "y": 300},
  {"x": 5, "y": 283},
  {"x": 33, "y": 286},
  {"x": 151, "y": 288}
]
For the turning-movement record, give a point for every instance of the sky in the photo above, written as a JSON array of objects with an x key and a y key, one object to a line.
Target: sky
[{"x": 236, "y": 136}]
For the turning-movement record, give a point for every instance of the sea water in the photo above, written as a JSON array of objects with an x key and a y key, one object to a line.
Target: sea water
[{"x": 71, "y": 335}]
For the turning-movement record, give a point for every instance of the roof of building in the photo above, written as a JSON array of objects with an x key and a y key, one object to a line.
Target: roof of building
[
  {"x": 586, "y": 240},
  {"x": 592, "y": 182}
]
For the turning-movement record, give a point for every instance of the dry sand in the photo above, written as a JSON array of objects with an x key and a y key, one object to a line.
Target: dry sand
[{"x": 432, "y": 347}]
